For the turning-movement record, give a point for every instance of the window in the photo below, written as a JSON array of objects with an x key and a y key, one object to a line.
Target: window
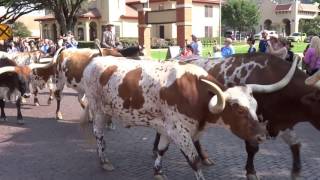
[
  {"x": 208, "y": 31},
  {"x": 80, "y": 34},
  {"x": 161, "y": 6},
  {"x": 92, "y": 31},
  {"x": 208, "y": 11}
]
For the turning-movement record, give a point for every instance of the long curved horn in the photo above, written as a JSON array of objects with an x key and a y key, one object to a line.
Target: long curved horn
[
  {"x": 36, "y": 65},
  {"x": 7, "y": 69},
  {"x": 313, "y": 80},
  {"x": 217, "y": 102},
  {"x": 56, "y": 55},
  {"x": 278, "y": 85},
  {"x": 97, "y": 43}
]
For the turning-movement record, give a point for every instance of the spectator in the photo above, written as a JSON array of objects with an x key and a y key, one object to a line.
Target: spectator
[
  {"x": 217, "y": 52},
  {"x": 52, "y": 48},
  {"x": 312, "y": 56},
  {"x": 263, "y": 42},
  {"x": 196, "y": 45},
  {"x": 32, "y": 45},
  {"x": 251, "y": 42},
  {"x": 71, "y": 41},
  {"x": 290, "y": 53},
  {"x": 44, "y": 46},
  {"x": 108, "y": 38},
  {"x": 12, "y": 48},
  {"x": 187, "y": 51},
  {"x": 25, "y": 46},
  {"x": 227, "y": 50},
  {"x": 277, "y": 47}
]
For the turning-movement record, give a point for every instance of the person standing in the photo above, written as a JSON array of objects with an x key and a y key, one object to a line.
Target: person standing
[
  {"x": 312, "y": 56},
  {"x": 227, "y": 50},
  {"x": 263, "y": 44},
  {"x": 108, "y": 38},
  {"x": 278, "y": 47},
  {"x": 251, "y": 42},
  {"x": 196, "y": 45}
]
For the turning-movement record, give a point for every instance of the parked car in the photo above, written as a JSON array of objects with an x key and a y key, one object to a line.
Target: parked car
[
  {"x": 258, "y": 36},
  {"x": 297, "y": 37}
]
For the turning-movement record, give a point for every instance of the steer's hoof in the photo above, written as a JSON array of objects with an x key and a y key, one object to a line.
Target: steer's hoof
[
  {"x": 20, "y": 121},
  {"x": 160, "y": 177},
  {"x": 59, "y": 116},
  {"x": 3, "y": 119},
  {"x": 295, "y": 176},
  {"x": 36, "y": 104},
  {"x": 207, "y": 162},
  {"x": 107, "y": 166},
  {"x": 252, "y": 177}
]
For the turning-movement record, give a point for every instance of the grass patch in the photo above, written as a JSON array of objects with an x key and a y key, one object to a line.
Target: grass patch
[{"x": 160, "y": 54}]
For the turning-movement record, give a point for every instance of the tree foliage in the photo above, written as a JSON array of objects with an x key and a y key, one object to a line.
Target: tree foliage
[
  {"x": 17, "y": 8},
  {"x": 310, "y": 26},
  {"x": 65, "y": 11},
  {"x": 241, "y": 15},
  {"x": 20, "y": 29}
]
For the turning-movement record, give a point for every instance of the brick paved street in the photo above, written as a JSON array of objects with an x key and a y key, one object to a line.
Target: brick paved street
[{"x": 44, "y": 149}]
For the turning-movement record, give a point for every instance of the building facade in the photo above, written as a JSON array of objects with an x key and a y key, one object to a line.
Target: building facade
[
  {"x": 124, "y": 15},
  {"x": 283, "y": 16}
]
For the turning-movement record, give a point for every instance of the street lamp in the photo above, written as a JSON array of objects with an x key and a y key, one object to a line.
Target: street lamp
[{"x": 220, "y": 22}]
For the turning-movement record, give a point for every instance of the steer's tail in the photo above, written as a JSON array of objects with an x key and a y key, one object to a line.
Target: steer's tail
[{"x": 84, "y": 124}]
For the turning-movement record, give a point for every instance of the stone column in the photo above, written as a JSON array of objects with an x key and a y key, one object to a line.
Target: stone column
[
  {"x": 184, "y": 21},
  {"x": 87, "y": 31},
  {"x": 144, "y": 33}
]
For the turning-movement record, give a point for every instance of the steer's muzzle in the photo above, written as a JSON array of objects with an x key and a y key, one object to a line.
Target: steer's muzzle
[{"x": 261, "y": 138}]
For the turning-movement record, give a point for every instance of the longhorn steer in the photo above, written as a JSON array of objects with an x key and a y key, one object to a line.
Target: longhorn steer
[
  {"x": 14, "y": 83},
  {"x": 173, "y": 99},
  {"x": 282, "y": 109},
  {"x": 70, "y": 65},
  {"x": 26, "y": 58}
]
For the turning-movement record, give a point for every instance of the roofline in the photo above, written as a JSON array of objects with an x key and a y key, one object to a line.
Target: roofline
[
  {"x": 128, "y": 17},
  {"x": 155, "y": 1}
]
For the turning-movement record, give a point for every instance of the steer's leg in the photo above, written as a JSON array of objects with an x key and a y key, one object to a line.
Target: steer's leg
[
  {"x": 155, "y": 145},
  {"x": 35, "y": 93},
  {"x": 181, "y": 137},
  {"x": 162, "y": 148},
  {"x": 3, "y": 115},
  {"x": 50, "y": 85},
  {"x": 98, "y": 130},
  {"x": 19, "y": 115},
  {"x": 291, "y": 139},
  {"x": 82, "y": 100},
  {"x": 57, "y": 95},
  {"x": 251, "y": 151},
  {"x": 203, "y": 154}
]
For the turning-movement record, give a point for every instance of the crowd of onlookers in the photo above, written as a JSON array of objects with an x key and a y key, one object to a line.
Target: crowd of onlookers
[{"x": 47, "y": 46}]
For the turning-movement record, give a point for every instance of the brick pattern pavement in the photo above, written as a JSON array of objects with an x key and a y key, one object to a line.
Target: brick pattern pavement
[{"x": 44, "y": 149}]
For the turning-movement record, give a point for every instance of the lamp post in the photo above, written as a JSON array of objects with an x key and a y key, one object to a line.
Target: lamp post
[{"x": 220, "y": 22}]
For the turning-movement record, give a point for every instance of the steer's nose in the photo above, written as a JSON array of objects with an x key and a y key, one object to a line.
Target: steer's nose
[{"x": 261, "y": 138}]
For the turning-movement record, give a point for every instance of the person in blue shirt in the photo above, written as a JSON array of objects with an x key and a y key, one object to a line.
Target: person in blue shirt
[
  {"x": 251, "y": 42},
  {"x": 263, "y": 44},
  {"x": 227, "y": 50}
]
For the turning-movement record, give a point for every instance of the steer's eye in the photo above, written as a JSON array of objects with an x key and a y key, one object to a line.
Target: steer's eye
[{"x": 241, "y": 110}]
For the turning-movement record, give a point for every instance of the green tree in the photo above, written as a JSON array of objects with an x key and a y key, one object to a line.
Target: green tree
[
  {"x": 240, "y": 15},
  {"x": 65, "y": 11},
  {"x": 310, "y": 26},
  {"x": 16, "y": 9},
  {"x": 20, "y": 29}
]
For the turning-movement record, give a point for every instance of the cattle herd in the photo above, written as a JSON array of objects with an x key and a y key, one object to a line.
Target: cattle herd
[{"x": 249, "y": 94}]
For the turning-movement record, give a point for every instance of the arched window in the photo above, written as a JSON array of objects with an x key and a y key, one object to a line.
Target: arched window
[
  {"x": 80, "y": 34},
  {"x": 267, "y": 24},
  {"x": 93, "y": 31},
  {"x": 45, "y": 31}
]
